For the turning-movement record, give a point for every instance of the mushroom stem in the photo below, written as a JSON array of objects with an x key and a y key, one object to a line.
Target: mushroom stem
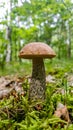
[{"x": 38, "y": 81}]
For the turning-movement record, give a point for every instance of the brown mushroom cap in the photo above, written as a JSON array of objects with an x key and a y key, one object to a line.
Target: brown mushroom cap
[{"x": 36, "y": 50}]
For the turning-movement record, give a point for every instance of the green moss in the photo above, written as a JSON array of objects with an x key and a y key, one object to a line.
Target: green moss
[{"x": 16, "y": 113}]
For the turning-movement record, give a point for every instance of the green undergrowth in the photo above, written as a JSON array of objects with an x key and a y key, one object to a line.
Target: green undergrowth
[
  {"x": 55, "y": 66},
  {"x": 16, "y": 112},
  {"x": 11, "y": 68}
]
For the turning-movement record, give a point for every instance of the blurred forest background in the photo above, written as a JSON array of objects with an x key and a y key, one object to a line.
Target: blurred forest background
[{"x": 49, "y": 21}]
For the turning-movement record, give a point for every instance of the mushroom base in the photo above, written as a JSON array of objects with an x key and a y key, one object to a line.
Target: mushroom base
[{"x": 38, "y": 81}]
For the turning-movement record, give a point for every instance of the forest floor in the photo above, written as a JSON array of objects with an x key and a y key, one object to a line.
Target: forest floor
[{"x": 56, "y": 113}]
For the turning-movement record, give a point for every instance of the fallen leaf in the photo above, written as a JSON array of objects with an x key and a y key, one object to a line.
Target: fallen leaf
[{"x": 62, "y": 112}]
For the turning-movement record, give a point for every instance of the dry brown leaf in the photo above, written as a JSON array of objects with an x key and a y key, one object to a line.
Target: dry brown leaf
[
  {"x": 62, "y": 112},
  {"x": 8, "y": 84},
  {"x": 50, "y": 79}
]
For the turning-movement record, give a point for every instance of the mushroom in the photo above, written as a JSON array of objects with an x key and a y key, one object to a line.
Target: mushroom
[{"x": 37, "y": 51}]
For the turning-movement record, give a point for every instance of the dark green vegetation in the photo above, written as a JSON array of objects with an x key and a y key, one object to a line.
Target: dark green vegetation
[{"x": 16, "y": 113}]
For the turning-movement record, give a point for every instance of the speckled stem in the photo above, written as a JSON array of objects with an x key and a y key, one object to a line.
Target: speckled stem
[{"x": 38, "y": 81}]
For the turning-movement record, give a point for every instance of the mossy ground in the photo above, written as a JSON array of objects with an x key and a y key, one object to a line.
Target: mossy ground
[{"x": 16, "y": 113}]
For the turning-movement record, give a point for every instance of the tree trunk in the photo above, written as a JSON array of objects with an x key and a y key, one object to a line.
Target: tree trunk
[
  {"x": 9, "y": 34},
  {"x": 69, "y": 41}
]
